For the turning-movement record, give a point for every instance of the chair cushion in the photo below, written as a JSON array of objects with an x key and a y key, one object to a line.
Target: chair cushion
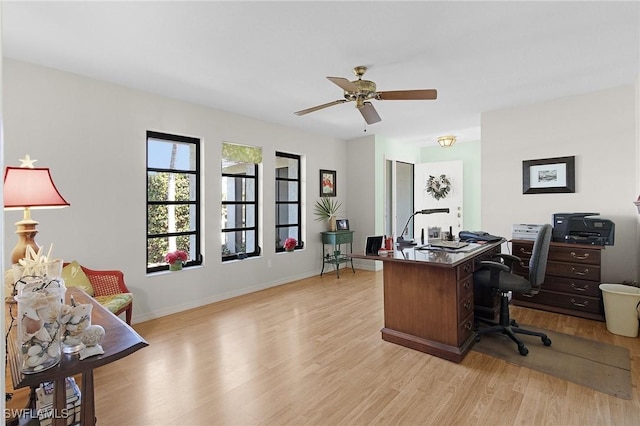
[
  {"x": 506, "y": 282},
  {"x": 74, "y": 276},
  {"x": 115, "y": 302}
]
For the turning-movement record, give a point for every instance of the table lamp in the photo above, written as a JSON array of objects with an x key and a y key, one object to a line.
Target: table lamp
[{"x": 27, "y": 187}]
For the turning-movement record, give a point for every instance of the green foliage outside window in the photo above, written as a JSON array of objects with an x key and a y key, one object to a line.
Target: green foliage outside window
[{"x": 158, "y": 186}]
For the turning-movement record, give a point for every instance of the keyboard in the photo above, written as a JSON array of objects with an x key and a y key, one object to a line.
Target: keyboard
[{"x": 449, "y": 244}]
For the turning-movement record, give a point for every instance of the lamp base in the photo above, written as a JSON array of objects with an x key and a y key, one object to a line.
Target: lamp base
[{"x": 26, "y": 230}]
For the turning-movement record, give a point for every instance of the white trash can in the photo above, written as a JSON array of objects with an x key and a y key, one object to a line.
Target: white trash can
[{"x": 621, "y": 308}]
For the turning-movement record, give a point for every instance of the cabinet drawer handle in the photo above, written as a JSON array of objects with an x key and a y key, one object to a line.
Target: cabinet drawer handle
[
  {"x": 584, "y": 288},
  {"x": 523, "y": 251},
  {"x": 527, "y": 295},
  {"x": 467, "y": 267},
  {"x": 575, "y": 256},
  {"x": 468, "y": 325},
  {"x": 581, "y": 305},
  {"x": 467, "y": 284},
  {"x": 467, "y": 305},
  {"x": 586, "y": 271}
]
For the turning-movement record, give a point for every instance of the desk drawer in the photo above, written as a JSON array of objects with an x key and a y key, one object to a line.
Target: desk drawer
[
  {"x": 576, "y": 287},
  {"x": 465, "y": 287},
  {"x": 336, "y": 238},
  {"x": 464, "y": 269},
  {"x": 575, "y": 255},
  {"x": 567, "y": 270},
  {"x": 571, "y": 270},
  {"x": 465, "y": 307},
  {"x": 465, "y": 328},
  {"x": 568, "y": 301}
]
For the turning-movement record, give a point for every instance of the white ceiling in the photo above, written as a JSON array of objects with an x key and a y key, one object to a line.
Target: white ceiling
[{"x": 268, "y": 59}]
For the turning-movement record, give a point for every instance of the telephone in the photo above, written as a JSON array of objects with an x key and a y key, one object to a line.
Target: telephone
[{"x": 475, "y": 236}]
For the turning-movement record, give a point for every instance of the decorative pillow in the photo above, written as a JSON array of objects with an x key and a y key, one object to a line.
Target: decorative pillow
[
  {"x": 115, "y": 302},
  {"x": 74, "y": 276}
]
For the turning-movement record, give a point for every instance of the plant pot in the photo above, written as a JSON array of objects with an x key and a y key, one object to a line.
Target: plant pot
[
  {"x": 332, "y": 224},
  {"x": 175, "y": 266},
  {"x": 289, "y": 250}
]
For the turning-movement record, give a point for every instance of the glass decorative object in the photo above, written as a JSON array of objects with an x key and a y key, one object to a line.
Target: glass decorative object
[
  {"x": 39, "y": 308},
  {"x": 75, "y": 320},
  {"x": 177, "y": 266}
]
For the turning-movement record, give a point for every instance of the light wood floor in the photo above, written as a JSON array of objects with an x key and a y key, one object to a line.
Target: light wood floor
[{"x": 310, "y": 353}]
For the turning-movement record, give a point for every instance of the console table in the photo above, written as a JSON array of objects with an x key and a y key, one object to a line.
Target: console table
[
  {"x": 337, "y": 256},
  {"x": 119, "y": 341},
  {"x": 429, "y": 298}
]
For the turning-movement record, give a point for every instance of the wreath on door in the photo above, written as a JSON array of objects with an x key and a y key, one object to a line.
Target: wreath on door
[{"x": 439, "y": 186}]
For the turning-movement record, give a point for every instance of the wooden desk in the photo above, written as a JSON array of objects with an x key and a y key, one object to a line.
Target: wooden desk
[
  {"x": 119, "y": 341},
  {"x": 428, "y": 298}
]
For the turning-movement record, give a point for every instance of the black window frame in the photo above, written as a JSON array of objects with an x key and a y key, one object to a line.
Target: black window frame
[
  {"x": 278, "y": 203},
  {"x": 196, "y": 203},
  {"x": 256, "y": 206}
]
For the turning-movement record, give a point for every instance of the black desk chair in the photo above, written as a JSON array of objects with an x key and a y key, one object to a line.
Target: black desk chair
[{"x": 498, "y": 275}]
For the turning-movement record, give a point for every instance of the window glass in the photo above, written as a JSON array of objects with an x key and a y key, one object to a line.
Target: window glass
[
  {"x": 173, "y": 199},
  {"x": 239, "y": 213},
  {"x": 288, "y": 203}
]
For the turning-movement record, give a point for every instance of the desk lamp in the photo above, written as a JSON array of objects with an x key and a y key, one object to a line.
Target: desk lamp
[
  {"x": 27, "y": 187},
  {"x": 401, "y": 240}
]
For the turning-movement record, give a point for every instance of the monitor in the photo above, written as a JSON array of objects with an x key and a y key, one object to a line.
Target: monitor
[{"x": 373, "y": 244}]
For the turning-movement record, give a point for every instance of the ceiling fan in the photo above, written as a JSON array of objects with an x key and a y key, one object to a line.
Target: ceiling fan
[{"x": 361, "y": 91}]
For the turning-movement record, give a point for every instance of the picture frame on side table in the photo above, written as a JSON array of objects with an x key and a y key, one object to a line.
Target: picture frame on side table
[
  {"x": 327, "y": 183},
  {"x": 342, "y": 224},
  {"x": 549, "y": 175}
]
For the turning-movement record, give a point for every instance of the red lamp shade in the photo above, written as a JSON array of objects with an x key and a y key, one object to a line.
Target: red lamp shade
[{"x": 30, "y": 187}]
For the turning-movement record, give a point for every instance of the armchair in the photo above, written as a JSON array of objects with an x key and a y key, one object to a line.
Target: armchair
[
  {"x": 106, "y": 286},
  {"x": 498, "y": 275}
]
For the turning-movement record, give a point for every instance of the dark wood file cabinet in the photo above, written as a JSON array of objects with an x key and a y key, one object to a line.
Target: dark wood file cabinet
[{"x": 572, "y": 280}]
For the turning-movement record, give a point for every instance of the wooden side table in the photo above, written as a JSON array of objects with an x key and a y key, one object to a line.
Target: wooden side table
[
  {"x": 119, "y": 341},
  {"x": 337, "y": 256}
]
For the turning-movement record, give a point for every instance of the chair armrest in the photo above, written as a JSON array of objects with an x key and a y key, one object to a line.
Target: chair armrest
[
  {"x": 106, "y": 282},
  {"x": 489, "y": 264}
]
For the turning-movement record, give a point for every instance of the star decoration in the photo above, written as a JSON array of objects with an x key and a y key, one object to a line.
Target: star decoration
[{"x": 27, "y": 162}]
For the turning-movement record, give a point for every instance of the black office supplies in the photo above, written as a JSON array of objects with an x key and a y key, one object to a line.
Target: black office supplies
[
  {"x": 373, "y": 245},
  {"x": 476, "y": 236},
  {"x": 579, "y": 228},
  {"x": 401, "y": 240}
]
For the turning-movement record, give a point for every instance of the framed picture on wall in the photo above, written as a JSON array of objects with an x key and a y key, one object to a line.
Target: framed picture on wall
[
  {"x": 549, "y": 175},
  {"x": 327, "y": 183},
  {"x": 342, "y": 224}
]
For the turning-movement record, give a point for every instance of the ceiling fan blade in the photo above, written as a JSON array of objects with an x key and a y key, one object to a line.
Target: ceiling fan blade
[
  {"x": 402, "y": 95},
  {"x": 344, "y": 84},
  {"x": 316, "y": 108},
  {"x": 369, "y": 113}
]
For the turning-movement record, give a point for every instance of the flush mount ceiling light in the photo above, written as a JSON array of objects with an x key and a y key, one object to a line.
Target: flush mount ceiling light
[{"x": 447, "y": 141}]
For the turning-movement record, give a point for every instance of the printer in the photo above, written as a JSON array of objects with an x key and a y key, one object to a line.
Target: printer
[{"x": 582, "y": 228}]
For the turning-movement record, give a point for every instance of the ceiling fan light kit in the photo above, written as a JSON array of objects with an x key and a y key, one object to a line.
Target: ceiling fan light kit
[
  {"x": 361, "y": 91},
  {"x": 447, "y": 141}
]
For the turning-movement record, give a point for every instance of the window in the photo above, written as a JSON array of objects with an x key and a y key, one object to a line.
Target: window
[
  {"x": 173, "y": 199},
  {"x": 288, "y": 206},
  {"x": 240, "y": 201}
]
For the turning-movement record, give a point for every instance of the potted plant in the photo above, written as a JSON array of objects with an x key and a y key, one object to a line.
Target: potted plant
[
  {"x": 326, "y": 209},
  {"x": 175, "y": 259},
  {"x": 290, "y": 244}
]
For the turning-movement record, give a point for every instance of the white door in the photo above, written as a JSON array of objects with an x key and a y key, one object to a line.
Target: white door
[{"x": 438, "y": 185}]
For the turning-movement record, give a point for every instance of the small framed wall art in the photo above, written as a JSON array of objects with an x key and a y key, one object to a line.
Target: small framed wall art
[
  {"x": 549, "y": 175},
  {"x": 327, "y": 183}
]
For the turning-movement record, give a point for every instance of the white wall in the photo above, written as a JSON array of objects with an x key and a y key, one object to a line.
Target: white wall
[
  {"x": 92, "y": 135},
  {"x": 599, "y": 129}
]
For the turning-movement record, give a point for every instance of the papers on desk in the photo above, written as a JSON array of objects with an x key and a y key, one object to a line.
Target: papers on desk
[{"x": 468, "y": 248}]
